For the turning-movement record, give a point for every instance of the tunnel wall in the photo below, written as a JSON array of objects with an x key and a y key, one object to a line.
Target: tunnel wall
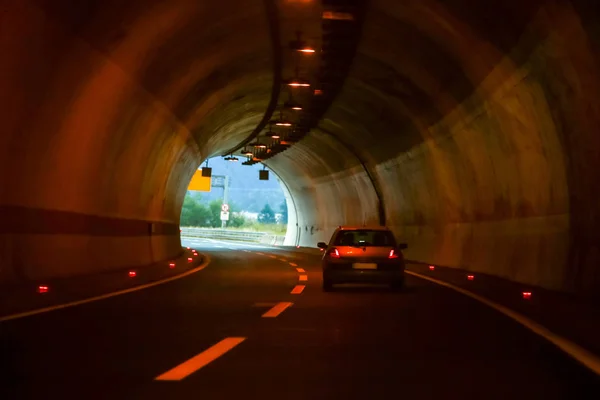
[
  {"x": 486, "y": 150},
  {"x": 473, "y": 125},
  {"x": 107, "y": 108}
]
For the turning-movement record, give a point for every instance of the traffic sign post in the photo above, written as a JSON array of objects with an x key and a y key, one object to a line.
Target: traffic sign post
[{"x": 223, "y": 181}]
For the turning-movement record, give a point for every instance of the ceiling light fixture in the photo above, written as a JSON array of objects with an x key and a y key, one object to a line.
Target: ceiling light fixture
[
  {"x": 298, "y": 83},
  {"x": 292, "y": 105},
  {"x": 271, "y": 134}
]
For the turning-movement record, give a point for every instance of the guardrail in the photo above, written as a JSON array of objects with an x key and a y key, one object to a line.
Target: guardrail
[{"x": 236, "y": 235}]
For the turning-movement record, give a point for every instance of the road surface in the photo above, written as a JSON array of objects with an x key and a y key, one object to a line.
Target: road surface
[{"x": 235, "y": 330}]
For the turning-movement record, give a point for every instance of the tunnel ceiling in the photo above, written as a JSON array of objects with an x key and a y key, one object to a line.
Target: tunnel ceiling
[{"x": 454, "y": 116}]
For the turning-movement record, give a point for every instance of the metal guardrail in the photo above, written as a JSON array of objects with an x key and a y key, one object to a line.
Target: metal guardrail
[{"x": 230, "y": 234}]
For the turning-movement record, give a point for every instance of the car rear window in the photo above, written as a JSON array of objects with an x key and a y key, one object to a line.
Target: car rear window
[{"x": 365, "y": 238}]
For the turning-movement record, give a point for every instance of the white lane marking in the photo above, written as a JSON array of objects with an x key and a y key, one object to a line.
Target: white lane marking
[
  {"x": 303, "y": 278},
  {"x": 107, "y": 295},
  {"x": 574, "y": 350},
  {"x": 283, "y": 259},
  {"x": 301, "y": 270},
  {"x": 297, "y": 289},
  {"x": 260, "y": 254},
  {"x": 276, "y": 310},
  {"x": 293, "y": 265},
  {"x": 273, "y": 256},
  {"x": 195, "y": 363}
]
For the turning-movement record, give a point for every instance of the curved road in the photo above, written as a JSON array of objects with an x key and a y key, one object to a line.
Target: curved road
[{"x": 426, "y": 342}]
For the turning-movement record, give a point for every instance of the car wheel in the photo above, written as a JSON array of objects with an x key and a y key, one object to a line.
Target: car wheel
[
  {"x": 327, "y": 285},
  {"x": 397, "y": 285}
]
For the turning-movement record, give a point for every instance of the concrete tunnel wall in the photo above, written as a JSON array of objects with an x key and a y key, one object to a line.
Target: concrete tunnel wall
[
  {"x": 472, "y": 124},
  {"x": 478, "y": 125}
]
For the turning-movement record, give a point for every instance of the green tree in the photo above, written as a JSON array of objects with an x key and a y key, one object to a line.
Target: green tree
[
  {"x": 193, "y": 213},
  {"x": 215, "y": 213},
  {"x": 284, "y": 212},
  {"x": 236, "y": 220},
  {"x": 267, "y": 215}
]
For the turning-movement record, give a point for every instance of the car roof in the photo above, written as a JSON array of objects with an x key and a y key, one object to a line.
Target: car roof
[{"x": 363, "y": 228}]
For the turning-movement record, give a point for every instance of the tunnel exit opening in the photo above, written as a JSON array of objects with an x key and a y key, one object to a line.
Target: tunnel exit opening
[{"x": 239, "y": 199}]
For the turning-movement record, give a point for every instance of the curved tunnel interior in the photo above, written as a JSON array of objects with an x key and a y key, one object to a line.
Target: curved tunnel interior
[{"x": 467, "y": 127}]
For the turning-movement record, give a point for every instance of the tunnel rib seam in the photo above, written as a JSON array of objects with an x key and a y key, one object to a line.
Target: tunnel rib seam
[{"x": 274, "y": 31}]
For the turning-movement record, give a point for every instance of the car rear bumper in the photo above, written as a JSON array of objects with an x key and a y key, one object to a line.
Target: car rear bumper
[{"x": 363, "y": 276}]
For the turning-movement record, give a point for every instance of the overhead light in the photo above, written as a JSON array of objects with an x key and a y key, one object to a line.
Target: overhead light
[
  {"x": 247, "y": 152},
  {"x": 258, "y": 145},
  {"x": 296, "y": 83},
  {"x": 283, "y": 123},
  {"x": 318, "y": 92},
  {"x": 272, "y": 135},
  {"x": 336, "y": 15},
  {"x": 292, "y": 106},
  {"x": 300, "y": 45}
]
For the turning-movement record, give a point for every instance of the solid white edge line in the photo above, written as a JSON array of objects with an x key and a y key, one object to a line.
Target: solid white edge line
[
  {"x": 577, "y": 352},
  {"x": 107, "y": 295}
]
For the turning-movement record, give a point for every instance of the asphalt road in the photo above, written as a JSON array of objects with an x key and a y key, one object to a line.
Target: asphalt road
[{"x": 357, "y": 342}]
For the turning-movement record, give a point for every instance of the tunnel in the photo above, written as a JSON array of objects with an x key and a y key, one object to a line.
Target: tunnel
[{"x": 468, "y": 127}]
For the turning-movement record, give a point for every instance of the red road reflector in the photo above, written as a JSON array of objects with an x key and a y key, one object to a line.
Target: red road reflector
[
  {"x": 189, "y": 259},
  {"x": 526, "y": 295},
  {"x": 172, "y": 265},
  {"x": 470, "y": 277},
  {"x": 132, "y": 274},
  {"x": 297, "y": 247},
  {"x": 431, "y": 267},
  {"x": 187, "y": 248},
  {"x": 43, "y": 289}
]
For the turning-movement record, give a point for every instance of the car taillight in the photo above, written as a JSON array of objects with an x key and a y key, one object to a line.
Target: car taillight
[
  {"x": 333, "y": 253},
  {"x": 393, "y": 254}
]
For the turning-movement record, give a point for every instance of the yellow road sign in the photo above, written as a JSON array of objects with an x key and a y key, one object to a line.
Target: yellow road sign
[{"x": 199, "y": 183}]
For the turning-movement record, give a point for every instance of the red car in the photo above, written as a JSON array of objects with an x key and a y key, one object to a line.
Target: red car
[{"x": 362, "y": 255}]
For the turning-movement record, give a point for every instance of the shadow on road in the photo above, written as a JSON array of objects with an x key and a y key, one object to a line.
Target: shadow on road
[{"x": 369, "y": 289}]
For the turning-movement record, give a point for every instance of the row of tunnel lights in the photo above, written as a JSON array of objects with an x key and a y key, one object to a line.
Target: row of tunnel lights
[
  {"x": 299, "y": 46},
  {"x": 43, "y": 289}
]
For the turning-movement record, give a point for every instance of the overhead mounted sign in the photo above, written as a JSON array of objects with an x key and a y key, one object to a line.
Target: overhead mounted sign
[{"x": 199, "y": 183}]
